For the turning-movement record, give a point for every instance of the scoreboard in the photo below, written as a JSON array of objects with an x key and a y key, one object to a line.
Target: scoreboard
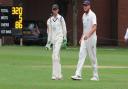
[{"x": 11, "y": 17}]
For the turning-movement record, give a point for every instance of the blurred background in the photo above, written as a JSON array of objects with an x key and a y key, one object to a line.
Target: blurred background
[{"x": 112, "y": 17}]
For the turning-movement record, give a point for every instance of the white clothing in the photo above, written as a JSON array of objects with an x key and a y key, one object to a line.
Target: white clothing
[
  {"x": 56, "y": 33},
  {"x": 88, "y": 21},
  {"x": 126, "y": 35},
  {"x": 57, "y": 28},
  {"x": 88, "y": 46}
]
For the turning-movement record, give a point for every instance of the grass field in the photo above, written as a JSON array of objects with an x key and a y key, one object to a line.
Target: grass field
[{"x": 30, "y": 68}]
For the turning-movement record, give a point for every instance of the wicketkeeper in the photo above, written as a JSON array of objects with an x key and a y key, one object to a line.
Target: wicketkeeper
[{"x": 57, "y": 33}]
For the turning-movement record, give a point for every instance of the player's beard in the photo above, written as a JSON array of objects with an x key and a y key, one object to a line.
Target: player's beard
[{"x": 87, "y": 11}]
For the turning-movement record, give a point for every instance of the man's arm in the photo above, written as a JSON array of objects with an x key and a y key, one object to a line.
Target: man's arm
[
  {"x": 64, "y": 28},
  {"x": 64, "y": 44},
  {"x": 49, "y": 39},
  {"x": 49, "y": 32}
]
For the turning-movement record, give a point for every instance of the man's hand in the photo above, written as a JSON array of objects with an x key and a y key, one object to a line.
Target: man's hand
[
  {"x": 86, "y": 37},
  {"x": 82, "y": 38},
  {"x": 80, "y": 41}
]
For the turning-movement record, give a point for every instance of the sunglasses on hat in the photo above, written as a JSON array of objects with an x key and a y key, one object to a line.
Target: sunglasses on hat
[{"x": 85, "y": 4}]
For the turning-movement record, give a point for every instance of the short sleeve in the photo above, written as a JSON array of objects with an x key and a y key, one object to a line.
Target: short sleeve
[{"x": 94, "y": 19}]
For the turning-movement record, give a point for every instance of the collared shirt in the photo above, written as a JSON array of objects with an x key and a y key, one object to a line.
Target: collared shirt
[
  {"x": 88, "y": 21},
  {"x": 57, "y": 27}
]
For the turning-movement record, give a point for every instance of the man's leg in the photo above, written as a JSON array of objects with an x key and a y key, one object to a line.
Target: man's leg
[
  {"x": 92, "y": 55},
  {"x": 56, "y": 60},
  {"x": 82, "y": 56}
]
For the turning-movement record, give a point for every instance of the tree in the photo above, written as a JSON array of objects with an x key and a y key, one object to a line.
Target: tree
[{"x": 74, "y": 2}]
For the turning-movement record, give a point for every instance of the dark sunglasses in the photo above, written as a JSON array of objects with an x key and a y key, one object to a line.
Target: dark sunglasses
[{"x": 54, "y": 9}]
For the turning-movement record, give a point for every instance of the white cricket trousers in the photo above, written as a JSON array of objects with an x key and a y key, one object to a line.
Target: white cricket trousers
[
  {"x": 87, "y": 47},
  {"x": 56, "y": 66}
]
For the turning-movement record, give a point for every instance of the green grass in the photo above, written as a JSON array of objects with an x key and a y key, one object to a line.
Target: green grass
[{"x": 30, "y": 68}]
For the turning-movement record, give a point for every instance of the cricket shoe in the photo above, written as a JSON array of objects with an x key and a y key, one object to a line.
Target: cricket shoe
[
  {"x": 57, "y": 78},
  {"x": 95, "y": 78},
  {"x": 76, "y": 77}
]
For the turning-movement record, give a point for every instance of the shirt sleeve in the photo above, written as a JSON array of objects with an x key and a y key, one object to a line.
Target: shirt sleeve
[
  {"x": 49, "y": 30},
  {"x": 83, "y": 21},
  {"x": 94, "y": 19},
  {"x": 64, "y": 28}
]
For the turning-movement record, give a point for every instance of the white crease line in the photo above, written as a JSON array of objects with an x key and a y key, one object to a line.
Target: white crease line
[{"x": 74, "y": 66}]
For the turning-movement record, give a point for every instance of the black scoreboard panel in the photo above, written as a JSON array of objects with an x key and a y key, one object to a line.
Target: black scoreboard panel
[{"x": 10, "y": 18}]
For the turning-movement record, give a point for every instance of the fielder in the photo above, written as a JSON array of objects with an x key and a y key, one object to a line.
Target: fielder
[
  {"x": 57, "y": 33},
  {"x": 87, "y": 42},
  {"x": 126, "y": 36}
]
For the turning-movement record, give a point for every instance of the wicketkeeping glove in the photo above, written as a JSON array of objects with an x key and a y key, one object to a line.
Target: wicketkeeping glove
[
  {"x": 48, "y": 46},
  {"x": 64, "y": 44}
]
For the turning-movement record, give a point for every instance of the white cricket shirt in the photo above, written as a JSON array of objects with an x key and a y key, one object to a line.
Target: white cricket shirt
[
  {"x": 88, "y": 21},
  {"x": 126, "y": 35},
  {"x": 57, "y": 27}
]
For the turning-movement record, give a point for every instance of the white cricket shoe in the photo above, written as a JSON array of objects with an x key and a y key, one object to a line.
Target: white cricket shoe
[
  {"x": 95, "y": 79},
  {"x": 56, "y": 78},
  {"x": 53, "y": 78},
  {"x": 76, "y": 77}
]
